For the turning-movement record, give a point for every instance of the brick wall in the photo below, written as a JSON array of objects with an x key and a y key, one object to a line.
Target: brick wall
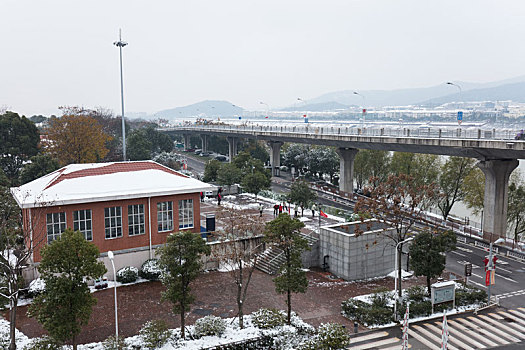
[{"x": 125, "y": 241}]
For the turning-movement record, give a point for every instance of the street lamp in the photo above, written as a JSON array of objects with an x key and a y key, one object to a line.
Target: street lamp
[
  {"x": 112, "y": 257},
  {"x": 303, "y": 101},
  {"x": 395, "y": 274},
  {"x": 267, "y": 109},
  {"x": 459, "y": 88},
  {"x": 120, "y": 44},
  {"x": 364, "y": 105}
]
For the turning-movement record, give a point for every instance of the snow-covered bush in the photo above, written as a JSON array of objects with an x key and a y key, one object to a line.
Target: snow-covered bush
[
  {"x": 113, "y": 343},
  {"x": 329, "y": 336},
  {"x": 209, "y": 325},
  {"x": 36, "y": 287},
  {"x": 127, "y": 274},
  {"x": 44, "y": 343},
  {"x": 268, "y": 318},
  {"x": 155, "y": 334},
  {"x": 150, "y": 270},
  {"x": 470, "y": 295},
  {"x": 171, "y": 160}
]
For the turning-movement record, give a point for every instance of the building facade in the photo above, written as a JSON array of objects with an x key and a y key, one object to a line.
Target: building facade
[{"x": 126, "y": 207}]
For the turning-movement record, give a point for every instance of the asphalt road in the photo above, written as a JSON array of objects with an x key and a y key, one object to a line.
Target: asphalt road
[{"x": 510, "y": 273}]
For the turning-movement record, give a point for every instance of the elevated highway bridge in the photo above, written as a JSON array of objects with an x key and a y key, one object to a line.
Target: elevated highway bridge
[{"x": 497, "y": 151}]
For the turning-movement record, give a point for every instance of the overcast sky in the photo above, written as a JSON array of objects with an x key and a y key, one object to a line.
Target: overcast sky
[{"x": 55, "y": 53}]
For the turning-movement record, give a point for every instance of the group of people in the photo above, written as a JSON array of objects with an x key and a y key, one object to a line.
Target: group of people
[
  {"x": 520, "y": 135},
  {"x": 279, "y": 208}
]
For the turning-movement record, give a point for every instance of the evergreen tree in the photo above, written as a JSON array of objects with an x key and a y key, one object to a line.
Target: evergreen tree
[
  {"x": 284, "y": 233},
  {"x": 66, "y": 304},
  {"x": 211, "y": 170},
  {"x": 255, "y": 182},
  {"x": 451, "y": 179},
  {"x": 428, "y": 253},
  {"x": 228, "y": 175},
  {"x": 516, "y": 210},
  {"x": 180, "y": 261},
  {"x": 40, "y": 165},
  {"x": 301, "y": 194},
  {"x": 19, "y": 140}
]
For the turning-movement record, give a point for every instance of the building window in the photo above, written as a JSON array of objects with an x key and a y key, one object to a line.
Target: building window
[
  {"x": 165, "y": 216},
  {"x": 186, "y": 213},
  {"x": 113, "y": 222},
  {"x": 82, "y": 223},
  {"x": 136, "y": 225},
  {"x": 56, "y": 224}
]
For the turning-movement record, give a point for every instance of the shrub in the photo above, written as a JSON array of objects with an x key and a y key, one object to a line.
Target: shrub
[
  {"x": 470, "y": 295},
  {"x": 377, "y": 315},
  {"x": 422, "y": 308},
  {"x": 44, "y": 343},
  {"x": 332, "y": 336},
  {"x": 127, "y": 274},
  {"x": 209, "y": 325},
  {"x": 155, "y": 334},
  {"x": 353, "y": 308},
  {"x": 113, "y": 343},
  {"x": 417, "y": 293},
  {"x": 369, "y": 314},
  {"x": 268, "y": 318},
  {"x": 150, "y": 270}
]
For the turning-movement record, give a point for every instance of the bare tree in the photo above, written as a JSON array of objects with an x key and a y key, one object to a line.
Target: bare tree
[
  {"x": 17, "y": 246},
  {"x": 239, "y": 249},
  {"x": 398, "y": 203}
]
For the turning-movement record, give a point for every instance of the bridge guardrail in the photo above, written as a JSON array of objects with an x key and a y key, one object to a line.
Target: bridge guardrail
[{"x": 420, "y": 132}]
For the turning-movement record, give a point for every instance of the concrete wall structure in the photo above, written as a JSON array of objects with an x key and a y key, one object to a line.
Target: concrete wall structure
[{"x": 356, "y": 257}]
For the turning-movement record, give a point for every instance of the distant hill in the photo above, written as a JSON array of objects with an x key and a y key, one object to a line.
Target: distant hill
[
  {"x": 204, "y": 109},
  {"x": 317, "y": 107},
  {"x": 509, "y": 89}
]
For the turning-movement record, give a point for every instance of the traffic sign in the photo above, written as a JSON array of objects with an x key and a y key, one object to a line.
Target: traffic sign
[
  {"x": 468, "y": 269},
  {"x": 460, "y": 117}
]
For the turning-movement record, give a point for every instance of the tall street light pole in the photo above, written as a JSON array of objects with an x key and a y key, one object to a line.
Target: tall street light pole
[
  {"x": 395, "y": 275},
  {"x": 267, "y": 109},
  {"x": 111, "y": 258},
  {"x": 120, "y": 44},
  {"x": 364, "y": 105}
]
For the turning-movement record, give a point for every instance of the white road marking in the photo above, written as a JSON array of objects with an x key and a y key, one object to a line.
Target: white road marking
[
  {"x": 451, "y": 338},
  {"x": 423, "y": 340},
  {"x": 472, "y": 325},
  {"x": 506, "y": 278},
  {"x": 508, "y": 329},
  {"x": 463, "y": 255},
  {"x": 477, "y": 276},
  {"x": 368, "y": 337},
  {"x": 471, "y": 333},
  {"x": 464, "y": 249},
  {"x": 454, "y": 333},
  {"x": 504, "y": 270},
  {"x": 375, "y": 344},
  {"x": 493, "y": 329}
]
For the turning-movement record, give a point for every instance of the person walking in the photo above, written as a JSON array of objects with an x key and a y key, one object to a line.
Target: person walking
[
  {"x": 219, "y": 197},
  {"x": 202, "y": 197},
  {"x": 260, "y": 210},
  {"x": 295, "y": 210},
  {"x": 275, "y": 209},
  {"x": 314, "y": 208}
]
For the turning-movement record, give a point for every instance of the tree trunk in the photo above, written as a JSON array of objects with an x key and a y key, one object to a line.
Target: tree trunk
[
  {"x": 239, "y": 296},
  {"x": 182, "y": 320},
  {"x": 399, "y": 268},
  {"x": 74, "y": 341},
  {"x": 12, "y": 322},
  {"x": 289, "y": 302},
  {"x": 428, "y": 284}
]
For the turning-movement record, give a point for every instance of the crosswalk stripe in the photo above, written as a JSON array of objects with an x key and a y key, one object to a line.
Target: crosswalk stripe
[
  {"x": 494, "y": 329},
  {"x": 516, "y": 312},
  {"x": 432, "y": 336},
  {"x": 368, "y": 337},
  {"x": 456, "y": 332},
  {"x": 375, "y": 344},
  {"x": 396, "y": 347},
  {"x": 508, "y": 327},
  {"x": 470, "y": 333},
  {"x": 451, "y": 338},
  {"x": 498, "y": 340},
  {"x": 423, "y": 340},
  {"x": 513, "y": 324}
]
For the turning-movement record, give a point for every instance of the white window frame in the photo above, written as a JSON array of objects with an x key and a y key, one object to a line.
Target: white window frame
[
  {"x": 55, "y": 225},
  {"x": 186, "y": 214},
  {"x": 136, "y": 220},
  {"x": 80, "y": 218},
  {"x": 165, "y": 216},
  {"x": 113, "y": 222}
]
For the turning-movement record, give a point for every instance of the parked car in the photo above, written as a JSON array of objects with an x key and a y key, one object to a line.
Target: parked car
[
  {"x": 221, "y": 158},
  {"x": 101, "y": 283},
  {"x": 198, "y": 151},
  {"x": 205, "y": 154}
]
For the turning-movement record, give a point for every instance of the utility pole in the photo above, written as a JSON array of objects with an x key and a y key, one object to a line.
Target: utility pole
[{"x": 120, "y": 44}]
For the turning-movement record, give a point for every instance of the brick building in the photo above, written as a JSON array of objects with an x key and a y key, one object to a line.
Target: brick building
[{"x": 126, "y": 207}]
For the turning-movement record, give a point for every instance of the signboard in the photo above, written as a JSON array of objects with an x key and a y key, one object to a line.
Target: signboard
[
  {"x": 364, "y": 111},
  {"x": 443, "y": 292},
  {"x": 460, "y": 117},
  {"x": 468, "y": 269},
  {"x": 490, "y": 278}
]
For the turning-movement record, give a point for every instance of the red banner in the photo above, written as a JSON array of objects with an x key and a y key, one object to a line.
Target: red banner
[{"x": 487, "y": 278}]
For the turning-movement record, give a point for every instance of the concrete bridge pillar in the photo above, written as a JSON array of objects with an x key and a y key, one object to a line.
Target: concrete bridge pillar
[
  {"x": 232, "y": 147},
  {"x": 346, "y": 168},
  {"x": 186, "y": 141},
  {"x": 497, "y": 173},
  {"x": 275, "y": 156},
  {"x": 204, "y": 139}
]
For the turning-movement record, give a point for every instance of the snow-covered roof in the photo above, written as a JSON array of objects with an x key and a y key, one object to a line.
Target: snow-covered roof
[{"x": 96, "y": 182}]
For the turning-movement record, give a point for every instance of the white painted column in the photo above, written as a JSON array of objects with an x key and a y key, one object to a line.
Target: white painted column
[{"x": 275, "y": 156}]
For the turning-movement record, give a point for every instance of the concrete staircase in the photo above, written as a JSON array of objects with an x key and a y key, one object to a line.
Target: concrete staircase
[{"x": 272, "y": 258}]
